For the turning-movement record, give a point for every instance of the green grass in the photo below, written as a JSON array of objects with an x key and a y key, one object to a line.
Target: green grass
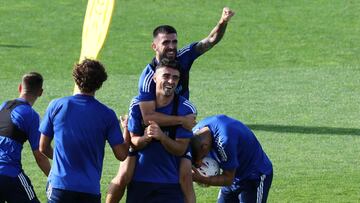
[{"x": 288, "y": 69}]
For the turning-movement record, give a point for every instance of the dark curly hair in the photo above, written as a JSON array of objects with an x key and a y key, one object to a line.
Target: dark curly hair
[{"x": 89, "y": 75}]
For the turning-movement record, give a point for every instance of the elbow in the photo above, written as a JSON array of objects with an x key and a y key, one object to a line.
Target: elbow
[
  {"x": 148, "y": 116},
  {"x": 228, "y": 181},
  {"x": 123, "y": 153},
  {"x": 146, "y": 119},
  {"x": 42, "y": 149},
  {"x": 179, "y": 152},
  {"x": 121, "y": 157}
]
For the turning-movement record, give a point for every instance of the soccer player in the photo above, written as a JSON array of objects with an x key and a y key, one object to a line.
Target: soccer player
[
  {"x": 247, "y": 171},
  {"x": 20, "y": 122},
  {"x": 156, "y": 173},
  {"x": 165, "y": 46},
  {"x": 80, "y": 125}
]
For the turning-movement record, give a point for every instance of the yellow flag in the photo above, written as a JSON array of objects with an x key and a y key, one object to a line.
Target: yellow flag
[{"x": 96, "y": 25}]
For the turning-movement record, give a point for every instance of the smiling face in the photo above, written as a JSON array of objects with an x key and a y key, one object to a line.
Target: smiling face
[
  {"x": 165, "y": 45},
  {"x": 166, "y": 79}
]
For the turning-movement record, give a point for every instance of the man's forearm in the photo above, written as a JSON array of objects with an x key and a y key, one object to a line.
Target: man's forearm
[
  {"x": 44, "y": 165},
  {"x": 213, "y": 38},
  {"x": 42, "y": 161},
  {"x": 139, "y": 142},
  {"x": 175, "y": 147},
  {"x": 219, "y": 180},
  {"x": 48, "y": 152},
  {"x": 162, "y": 119}
]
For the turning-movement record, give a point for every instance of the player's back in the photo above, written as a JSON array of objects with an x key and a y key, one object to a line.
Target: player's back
[{"x": 81, "y": 125}]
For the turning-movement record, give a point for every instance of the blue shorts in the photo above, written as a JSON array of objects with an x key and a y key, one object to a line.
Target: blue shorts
[
  {"x": 247, "y": 191},
  {"x": 55, "y": 195},
  {"x": 146, "y": 192},
  {"x": 17, "y": 189}
]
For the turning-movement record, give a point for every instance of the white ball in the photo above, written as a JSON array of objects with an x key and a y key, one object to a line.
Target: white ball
[{"x": 209, "y": 167}]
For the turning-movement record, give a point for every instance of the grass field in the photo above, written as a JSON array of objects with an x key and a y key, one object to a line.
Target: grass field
[{"x": 288, "y": 69}]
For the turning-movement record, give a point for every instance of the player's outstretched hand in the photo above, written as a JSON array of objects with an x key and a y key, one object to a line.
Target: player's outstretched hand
[
  {"x": 226, "y": 14},
  {"x": 154, "y": 131}
]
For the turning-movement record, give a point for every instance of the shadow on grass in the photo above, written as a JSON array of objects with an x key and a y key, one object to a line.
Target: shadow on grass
[
  {"x": 14, "y": 46},
  {"x": 305, "y": 129}
]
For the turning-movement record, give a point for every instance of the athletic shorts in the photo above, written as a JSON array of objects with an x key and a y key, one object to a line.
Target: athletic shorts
[
  {"x": 247, "y": 191},
  {"x": 146, "y": 192},
  {"x": 17, "y": 189},
  {"x": 55, "y": 195}
]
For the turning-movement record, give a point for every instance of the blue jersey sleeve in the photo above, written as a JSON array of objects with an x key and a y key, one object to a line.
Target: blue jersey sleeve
[
  {"x": 228, "y": 147},
  {"x": 28, "y": 121},
  {"x": 146, "y": 84},
  {"x": 135, "y": 118},
  {"x": 232, "y": 161},
  {"x": 34, "y": 135},
  {"x": 114, "y": 134},
  {"x": 185, "y": 108},
  {"x": 187, "y": 55},
  {"x": 46, "y": 125}
]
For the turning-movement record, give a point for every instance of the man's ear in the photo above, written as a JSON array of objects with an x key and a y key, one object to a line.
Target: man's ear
[
  {"x": 153, "y": 46},
  {"x": 154, "y": 77},
  {"x": 20, "y": 88},
  {"x": 40, "y": 92}
]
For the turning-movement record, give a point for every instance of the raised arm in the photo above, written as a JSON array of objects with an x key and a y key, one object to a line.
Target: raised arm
[
  {"x": 149, "y": 114},
  {"x": 217, "y": 33}
]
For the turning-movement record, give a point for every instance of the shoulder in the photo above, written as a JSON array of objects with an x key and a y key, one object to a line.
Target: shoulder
[
  {"x": 103, "y": 108},
  {"x": 186, "y": 106},
  {"x": 57, "y": 104},
  {"x": 59, "y": 101},
  {"x": 25, "y": 111},
  {"x": 134, "y": 103},
  {"x": 186, "y": 49},
  {"x": 148, "y": 70}
]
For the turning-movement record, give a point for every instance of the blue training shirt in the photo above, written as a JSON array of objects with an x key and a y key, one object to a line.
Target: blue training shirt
[
  {"x": 79, "y": 125},
  {"x": 236, "y": 147},
  {"x": 186, "y": 56},
  {"x": 27, "y": 120},
  {"x": 154, "y": 163}
]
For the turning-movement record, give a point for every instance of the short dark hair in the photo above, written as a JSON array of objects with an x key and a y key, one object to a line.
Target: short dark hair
[
  {"x": 89, "y": 75},
  {"x": 195, "y": 145},
  {"x": 32, "y": 82},
  {"x": 166, "y": 29},
  {"x": 171, "y": 63}
]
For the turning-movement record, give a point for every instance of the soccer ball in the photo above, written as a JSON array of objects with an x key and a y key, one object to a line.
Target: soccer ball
[{"x": 209, "y": 167}]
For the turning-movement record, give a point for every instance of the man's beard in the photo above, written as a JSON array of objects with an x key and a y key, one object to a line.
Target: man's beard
[
  {"x": 168, "y": 92},
  {"x": 169, "y": 56}
]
